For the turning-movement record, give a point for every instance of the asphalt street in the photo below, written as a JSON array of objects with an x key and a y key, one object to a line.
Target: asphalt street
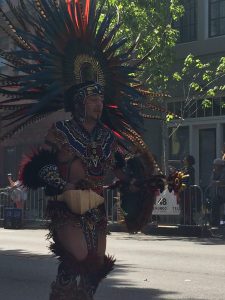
[{"x": 148, "y": 267}]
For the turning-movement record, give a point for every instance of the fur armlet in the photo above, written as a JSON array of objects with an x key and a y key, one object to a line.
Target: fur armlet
[{"x": 33, "y": 167}]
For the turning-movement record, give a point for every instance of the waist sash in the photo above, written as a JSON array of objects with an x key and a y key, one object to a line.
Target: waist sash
[{"x": 80, "y": 201}]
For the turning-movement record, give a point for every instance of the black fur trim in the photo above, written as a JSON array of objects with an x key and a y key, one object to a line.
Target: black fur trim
[
  {"x": 32, "y": 164},
  {"x": 91, "y": 265},
  {"x": 91, "y": 268},
  {"x": 106, "y": 268}
]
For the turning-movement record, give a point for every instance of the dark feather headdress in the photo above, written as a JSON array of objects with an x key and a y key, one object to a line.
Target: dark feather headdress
[{"x": 63, "y": 43}]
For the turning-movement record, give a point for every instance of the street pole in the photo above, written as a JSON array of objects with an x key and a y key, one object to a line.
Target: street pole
[{"x": 164, "y": 139}]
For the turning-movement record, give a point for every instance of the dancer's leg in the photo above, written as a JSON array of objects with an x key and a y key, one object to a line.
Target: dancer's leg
[
  {"x": 70, "y": 283},
  {"x": 73, "y": 241}
]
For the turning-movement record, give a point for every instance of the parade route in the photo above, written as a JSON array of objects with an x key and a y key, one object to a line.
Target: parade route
[{"x": 147, "y": 267}]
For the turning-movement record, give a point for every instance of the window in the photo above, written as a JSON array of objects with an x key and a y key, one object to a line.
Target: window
[
  {"x": 178, "y": 143},
  {"x": 187, "y": 25},
  {"x": 216, "y": 17}
]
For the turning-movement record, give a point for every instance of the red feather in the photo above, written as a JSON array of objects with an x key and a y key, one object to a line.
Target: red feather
[
  {"x": 117, "y": 134},
  {"x": 86, "y": 13},
  {"x": 112, "y": 106}
]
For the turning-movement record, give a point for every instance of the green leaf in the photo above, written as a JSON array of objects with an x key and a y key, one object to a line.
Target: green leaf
[
  {"x": 177, "y": 76},
  {"x": 211, "y": 93},
  {"x": 206, "y": 103},
  {"x": 195, "y": 86},
  {"x": 169, "y": 117}
]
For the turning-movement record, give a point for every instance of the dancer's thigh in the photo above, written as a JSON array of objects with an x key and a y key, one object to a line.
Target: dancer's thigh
[{"x": 73, "y": 240}]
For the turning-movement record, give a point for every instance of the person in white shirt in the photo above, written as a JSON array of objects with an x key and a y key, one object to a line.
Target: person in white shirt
[{"x": 18, "y": 194}]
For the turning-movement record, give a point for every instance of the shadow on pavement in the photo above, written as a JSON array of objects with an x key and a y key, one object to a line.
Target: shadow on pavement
[
  {"x": 200, "y": 240},
  {"x": 25, "y": 254},
  {"x": 27, "y": 276},
  {"x": 120, "y": 289},
  {"x": 117, "y": 287}
]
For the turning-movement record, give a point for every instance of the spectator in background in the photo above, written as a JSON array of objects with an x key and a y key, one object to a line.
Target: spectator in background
[
  {"x": 217, "y": 190},
  {"x": 186, "y": 197},
  {"x": 188, "y": 169},
  {"x": 18, "y": 193}
]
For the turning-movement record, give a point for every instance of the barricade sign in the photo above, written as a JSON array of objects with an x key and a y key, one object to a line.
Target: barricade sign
[
  {"x": 166, "y": 204},
  {"x": 13, "y": 218}
]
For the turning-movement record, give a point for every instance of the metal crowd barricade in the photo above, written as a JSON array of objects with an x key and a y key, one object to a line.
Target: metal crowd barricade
[
  {"x": 187, "y": 209},
  {"x": 191, "y": 208},
  {"x": 35, "y": 205},
  {"x": 214, "y": 205},
  {"x": 112, "y": 205},
  {"x": 4, "y": 200}
]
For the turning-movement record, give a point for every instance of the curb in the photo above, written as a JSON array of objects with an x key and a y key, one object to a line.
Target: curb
[{"x": 150, "y": 229}]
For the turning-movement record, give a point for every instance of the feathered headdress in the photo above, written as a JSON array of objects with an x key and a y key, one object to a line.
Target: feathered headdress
[{"x": 59, "y": 44}]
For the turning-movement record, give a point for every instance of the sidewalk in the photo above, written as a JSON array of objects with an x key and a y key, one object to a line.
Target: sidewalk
[{"x": 175, "y": 230}]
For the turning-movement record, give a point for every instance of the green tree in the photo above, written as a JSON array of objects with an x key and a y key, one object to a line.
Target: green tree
[
  {"x": 153, "y": 20},
  {"x": 198, "y": 80}
]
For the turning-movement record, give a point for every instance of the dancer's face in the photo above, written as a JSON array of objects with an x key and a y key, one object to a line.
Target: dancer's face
[{"x": 94, "y": 107}]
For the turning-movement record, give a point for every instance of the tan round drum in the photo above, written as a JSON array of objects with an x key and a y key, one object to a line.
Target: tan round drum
[{"x": 80, "y": 201}]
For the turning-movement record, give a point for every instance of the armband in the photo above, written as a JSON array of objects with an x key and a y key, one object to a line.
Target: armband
[
  {"x": 50, "y": 176},
  {"x": 39, "y": 169}
]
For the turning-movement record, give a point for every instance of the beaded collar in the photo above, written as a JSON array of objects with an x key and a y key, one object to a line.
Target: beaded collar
[{"x": 95, "y": 148}]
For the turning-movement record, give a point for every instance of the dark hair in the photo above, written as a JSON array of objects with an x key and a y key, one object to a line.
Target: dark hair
[{"x": 190, "y": 159}]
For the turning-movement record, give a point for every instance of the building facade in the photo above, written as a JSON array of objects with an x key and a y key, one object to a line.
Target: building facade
[{"x": 202, "y": 133}]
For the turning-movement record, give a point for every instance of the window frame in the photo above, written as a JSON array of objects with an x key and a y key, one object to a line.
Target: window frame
[
  {"x": 189, "y": 5},
  {"x": 218, "y": 19}
]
